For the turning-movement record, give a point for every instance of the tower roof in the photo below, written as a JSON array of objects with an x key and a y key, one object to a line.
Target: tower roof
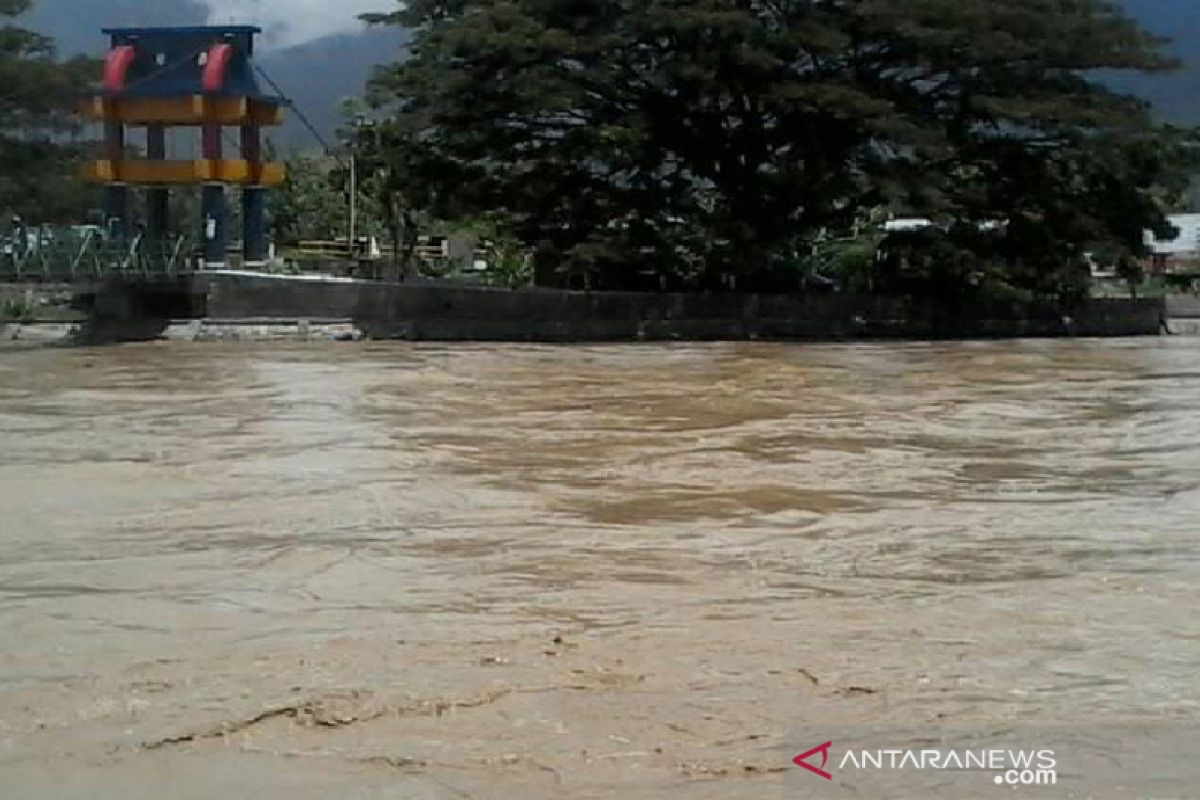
[
  {"x": 173, "y": 62},
  {"x": 192, "y": 30}
]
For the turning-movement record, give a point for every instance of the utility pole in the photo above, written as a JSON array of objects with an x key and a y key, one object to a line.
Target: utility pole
[
  {"x": 360, "y": 122},
  {"x": 353, "y": 194}
]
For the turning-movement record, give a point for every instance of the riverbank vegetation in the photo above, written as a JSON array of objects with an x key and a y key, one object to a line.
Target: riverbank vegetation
[
  {"x": 712, "y": 144},
  {"x": 40, "y": 149}
]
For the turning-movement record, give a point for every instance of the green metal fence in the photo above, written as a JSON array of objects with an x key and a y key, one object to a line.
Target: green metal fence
[{"x": 82, "y": 253}]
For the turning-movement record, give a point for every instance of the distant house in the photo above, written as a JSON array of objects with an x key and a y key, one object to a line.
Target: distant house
[
  {"x": 907, "y": 225},
  {"x": 1180, "y": 253}
]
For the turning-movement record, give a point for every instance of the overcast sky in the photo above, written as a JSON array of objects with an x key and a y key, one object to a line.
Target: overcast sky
[
  {"x": 76, "y": 24},
  {"x": 290, "y": 22}
]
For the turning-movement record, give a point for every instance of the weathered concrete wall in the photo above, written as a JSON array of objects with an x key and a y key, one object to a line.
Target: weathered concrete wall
[
  {"x": 1183, "y": 306},
  {"x": 247, "y": 305},
  {"x": 23, "y": 334},
  {"x": 450, "y": 313},
  {"x": 119, "y": 300},
  {"x": 1184, "y": 327},
  {"x": 37, "y": 302},
  {"x": 202, "y": 330}
]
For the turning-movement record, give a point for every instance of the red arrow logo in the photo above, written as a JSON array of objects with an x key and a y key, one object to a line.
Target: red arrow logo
[{"x": 802, "y": 760}]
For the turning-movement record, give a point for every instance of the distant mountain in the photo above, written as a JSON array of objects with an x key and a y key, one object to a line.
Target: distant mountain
[{"x": 319, "y": 74}]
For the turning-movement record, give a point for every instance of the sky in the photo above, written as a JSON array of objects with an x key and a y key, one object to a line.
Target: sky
[
  {"x": 292, "y": 22},
  {"x": 343, "y": 68},
  {"x": 286, "y": 23},
  {"x": 76, "y": 24}
]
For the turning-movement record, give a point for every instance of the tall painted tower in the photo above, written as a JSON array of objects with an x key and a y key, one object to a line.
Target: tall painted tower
[{"x": 202, "y": 78}]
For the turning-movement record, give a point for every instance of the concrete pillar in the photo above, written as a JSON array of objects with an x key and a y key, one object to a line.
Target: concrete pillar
[
  {"x": 158, "y": 199},
  {"x": 254, "y": 202}
]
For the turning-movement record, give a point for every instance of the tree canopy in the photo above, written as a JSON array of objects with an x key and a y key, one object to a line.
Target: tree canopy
[
  {"x": 687, "y": 141},
  {"x": 39, "y": 154}
]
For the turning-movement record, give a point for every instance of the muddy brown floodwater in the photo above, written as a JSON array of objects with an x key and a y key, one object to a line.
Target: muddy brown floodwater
[{"x": 533, "y": 572}]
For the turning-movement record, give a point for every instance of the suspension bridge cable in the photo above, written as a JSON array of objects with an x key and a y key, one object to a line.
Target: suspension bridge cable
[{"x": 329, "y": 149}]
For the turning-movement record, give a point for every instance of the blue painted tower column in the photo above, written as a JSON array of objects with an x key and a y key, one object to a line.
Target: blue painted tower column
[
  {"x": 254, "y": 202},
  {"x": 254, "y": 226},
  {"x": 213, "y": 211},
  {"x": 116, "y": 194},
  {"x": 214, "y": 233},
  {"x": 157, "y": 199}
]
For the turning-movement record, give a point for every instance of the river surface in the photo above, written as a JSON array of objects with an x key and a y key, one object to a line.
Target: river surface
[{"x": 387, "y": 570}]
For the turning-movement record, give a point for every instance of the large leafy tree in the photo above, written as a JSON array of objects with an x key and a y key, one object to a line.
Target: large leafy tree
[
  {"x": 309, "y": 205},
  {"x": 709, "y": 141},
  {"x": 1020, "y": 138},
  {"x": 39, "y": 149}
]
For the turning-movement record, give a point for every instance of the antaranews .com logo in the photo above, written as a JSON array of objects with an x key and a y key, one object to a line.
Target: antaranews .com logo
[
  {"x": 1010, "y": 767},
  {"x": 1113, "y": 761}
]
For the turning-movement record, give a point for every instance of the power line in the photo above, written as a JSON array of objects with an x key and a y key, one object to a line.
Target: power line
[{"x": 329, "y": 150}]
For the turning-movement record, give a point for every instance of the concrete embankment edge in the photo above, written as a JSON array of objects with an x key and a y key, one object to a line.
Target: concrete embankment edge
[
  {"x": 229, "y": 305},
  {"x": 474, "y": 314}
]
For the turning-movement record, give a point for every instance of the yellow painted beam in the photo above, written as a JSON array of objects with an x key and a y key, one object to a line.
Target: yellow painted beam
[
  {"x": 185, "y": 173},
  {"x": 100, "y": 172},
  {"x": 266, "y": 116},
  {"x": 192, "y": 110}
]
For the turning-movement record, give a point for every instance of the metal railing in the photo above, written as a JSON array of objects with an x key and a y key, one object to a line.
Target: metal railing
[{"x": 82, "y": 255}]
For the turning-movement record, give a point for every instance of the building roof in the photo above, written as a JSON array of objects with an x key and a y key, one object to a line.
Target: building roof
[
  {"x": 1186, "y": 242},
  {"x": 907, "y": 224},
  {"x": 193, "y": 30}
]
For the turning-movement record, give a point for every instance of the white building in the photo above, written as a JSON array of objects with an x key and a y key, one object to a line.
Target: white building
[
  {"x": 907, "y": 225},
  {"x": 1171, "y": 253}
]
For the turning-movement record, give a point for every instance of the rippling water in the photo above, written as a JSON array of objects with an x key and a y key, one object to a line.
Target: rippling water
[{"x": 604, "y": 571}]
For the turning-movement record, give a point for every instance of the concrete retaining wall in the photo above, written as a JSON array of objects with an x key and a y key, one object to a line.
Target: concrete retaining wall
[
  {"x": 20, "y": 334},
  {"x": 37, "y": 302},
  {"x": 451, "y": 313},
  {"x": 242, "y": 303},
  {"x": 1183, "y": 306}
]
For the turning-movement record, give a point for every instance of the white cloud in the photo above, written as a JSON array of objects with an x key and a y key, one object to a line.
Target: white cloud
[{"x": 291, "y": 22}]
